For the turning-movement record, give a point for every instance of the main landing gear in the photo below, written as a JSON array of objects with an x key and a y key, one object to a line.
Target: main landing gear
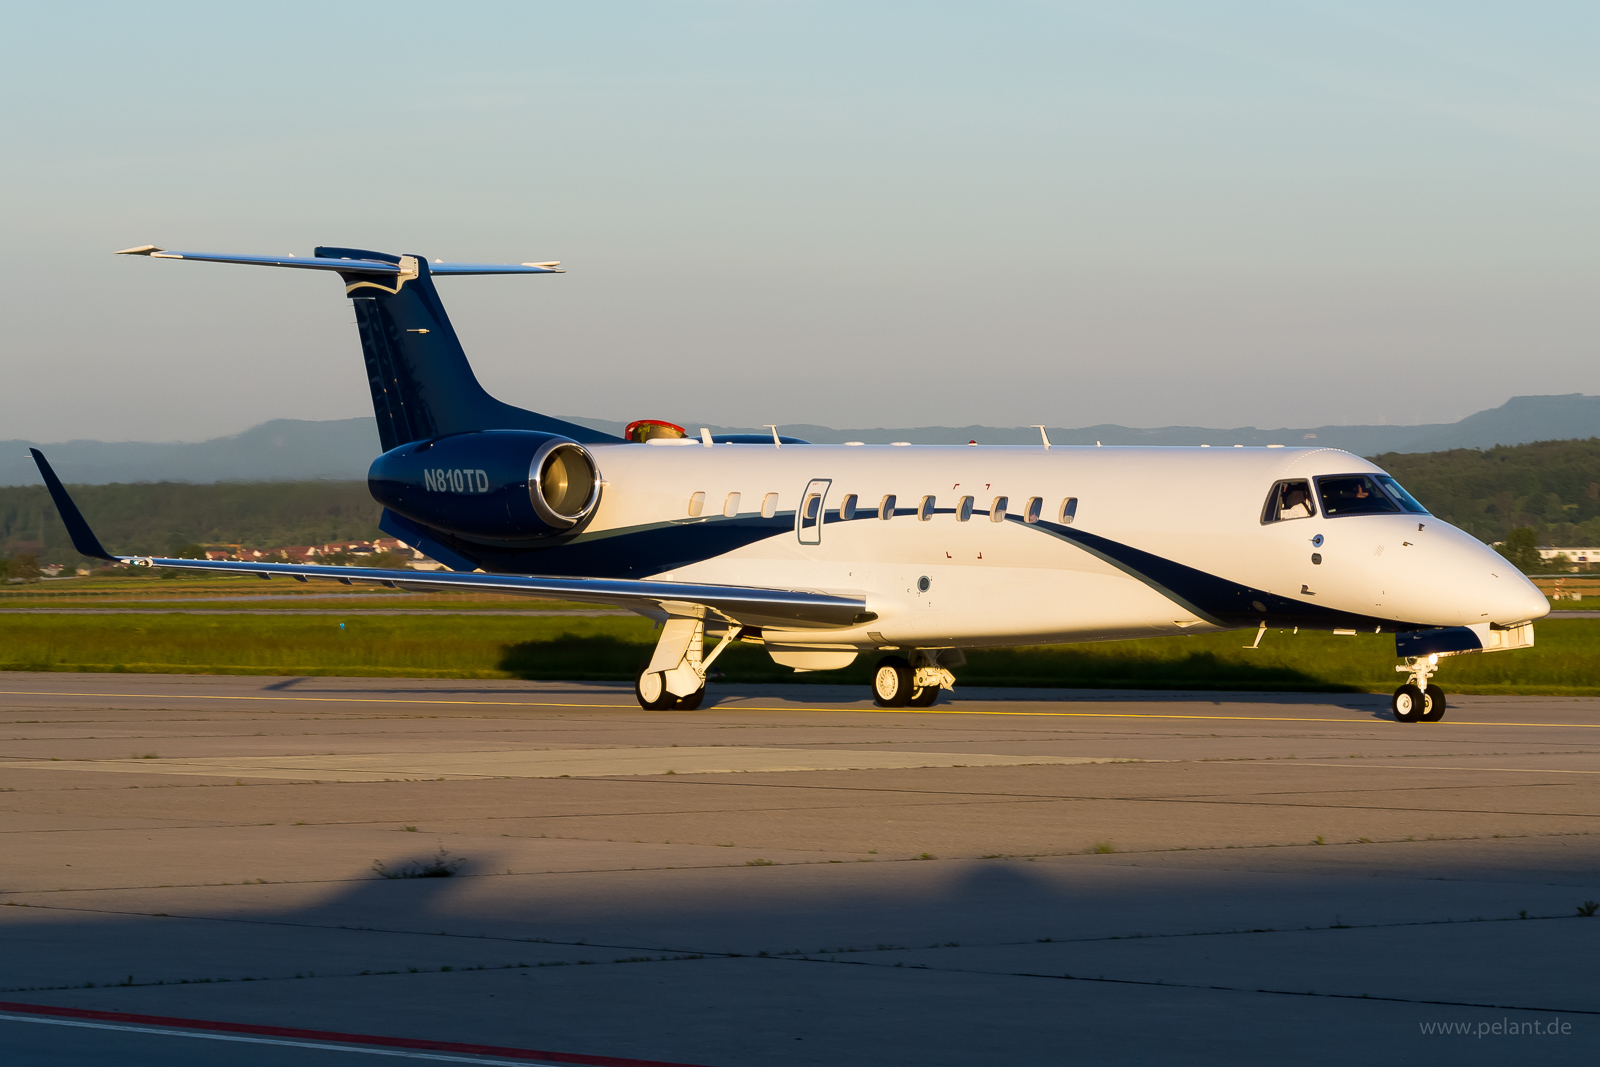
[
  {"x": 914, "y": 683},
  {"x": 650, "y": 689},
  {"x": 675, "y": 677},
  {"x": 1417, "y": 701}
]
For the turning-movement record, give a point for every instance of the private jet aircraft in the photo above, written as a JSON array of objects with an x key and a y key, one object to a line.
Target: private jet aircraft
[{"x": 912, "y": 553}]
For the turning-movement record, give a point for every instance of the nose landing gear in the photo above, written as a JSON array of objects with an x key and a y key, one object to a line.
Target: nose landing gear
[{"x": 1417, "y": 701}]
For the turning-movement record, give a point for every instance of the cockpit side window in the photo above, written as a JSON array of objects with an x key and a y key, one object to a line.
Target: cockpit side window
[
  {"x": 1354, "y": 494},
  {"x": 1289, "y": 500}
]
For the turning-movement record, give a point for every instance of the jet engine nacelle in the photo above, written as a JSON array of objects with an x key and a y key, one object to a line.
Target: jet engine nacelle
[{"x": 493, "y": 485}]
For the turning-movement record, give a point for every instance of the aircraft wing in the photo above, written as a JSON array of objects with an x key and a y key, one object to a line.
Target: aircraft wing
[{"x": 745, "y": 605}]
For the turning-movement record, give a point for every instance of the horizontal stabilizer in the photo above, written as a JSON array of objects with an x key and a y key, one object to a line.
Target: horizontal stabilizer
[
  {"x": 422, "y": 385},
  {"x": 344, "y": 265}
]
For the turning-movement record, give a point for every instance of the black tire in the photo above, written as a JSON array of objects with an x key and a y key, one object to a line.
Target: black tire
[
  {"x": 1408, "y": 704},
  {"x": 1436, "y": 704},
  {"x": 891, "y": 682},
  {"x": 690, "y": 702},
  {"x": 651, "y": 692},
  {"x": 924, "y": 697}
]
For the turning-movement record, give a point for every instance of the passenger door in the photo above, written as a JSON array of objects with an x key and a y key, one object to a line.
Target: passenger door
[{"x": 808, "y": 516}]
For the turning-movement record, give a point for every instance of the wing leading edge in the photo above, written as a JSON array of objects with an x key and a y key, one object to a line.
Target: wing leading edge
[{"x": 745, "y": 605}]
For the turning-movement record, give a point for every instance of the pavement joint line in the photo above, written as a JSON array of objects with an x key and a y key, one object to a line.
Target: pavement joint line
[
  {"x": 831, "y": 957},
  {"x": 995, "y": 797},
  {"x": 1160, "y": 984},
  {"x": 735, "y": 866},
  {"x": 837, "y": 710},
  {"x": 679, "y": 955},
  {"x": 251, "y": 1033},
  {"x": 972, "y": 797},
  {"x": 677, "y": 952}
]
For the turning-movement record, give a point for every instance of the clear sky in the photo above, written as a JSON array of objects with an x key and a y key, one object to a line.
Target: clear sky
[{"x": 852, "y": 214}]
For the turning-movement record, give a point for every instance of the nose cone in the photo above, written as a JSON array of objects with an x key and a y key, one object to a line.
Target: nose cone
[
  {"x": 1443, "y": 576},
  {"x": 1519, "y": 601},
  {"x": 1484, "y": 584}
]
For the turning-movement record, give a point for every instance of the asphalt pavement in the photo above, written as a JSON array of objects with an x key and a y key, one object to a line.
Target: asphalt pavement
[{"x": 542, "y": 872}]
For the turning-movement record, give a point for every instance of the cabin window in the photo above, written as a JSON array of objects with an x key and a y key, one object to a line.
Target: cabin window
[
  {"x": 1069, "y": 511},
  {"x": 1289, "y": 500},
  {"x": 964, "y": 509},
  {"x": 769, "y": 505},
  {"x": 813, "y": 505},
  {"x": 1354, "y": 494},
  {"x": 925, "y": 509},
  {"x": 886, "y": 507},
  {"x": 697, "y": 504},
  {"x": 730, "y": 506},
  {"x": 1034, "y": 510},
  {"x": 847, "y": 507},
  {"x": 997, "y": 510}
]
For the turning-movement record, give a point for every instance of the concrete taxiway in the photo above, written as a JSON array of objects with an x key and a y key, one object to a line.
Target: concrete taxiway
[{"x": 791, "y": 876}]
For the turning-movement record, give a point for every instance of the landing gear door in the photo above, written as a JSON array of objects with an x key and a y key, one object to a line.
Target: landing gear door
[{"x": 808, "y": 517}]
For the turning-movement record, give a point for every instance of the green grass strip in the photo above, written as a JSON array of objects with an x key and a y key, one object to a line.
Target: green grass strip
[{"x": 1565, "y": 661}]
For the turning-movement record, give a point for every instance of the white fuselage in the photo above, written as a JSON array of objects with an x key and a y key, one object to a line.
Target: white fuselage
[{"x": 948, "y": 582}]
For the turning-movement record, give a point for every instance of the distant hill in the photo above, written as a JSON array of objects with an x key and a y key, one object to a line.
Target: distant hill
[
  {"x": 280, "y": 450},
  {"x": 290, "y": 450}
]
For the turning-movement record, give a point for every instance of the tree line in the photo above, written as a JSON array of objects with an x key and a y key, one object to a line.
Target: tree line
[
  {"x": 176, "y": 517},
  {"x": 1520, "y": 496}
]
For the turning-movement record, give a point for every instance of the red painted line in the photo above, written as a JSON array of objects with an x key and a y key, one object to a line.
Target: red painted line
[{"x": 331, "y": 1035}]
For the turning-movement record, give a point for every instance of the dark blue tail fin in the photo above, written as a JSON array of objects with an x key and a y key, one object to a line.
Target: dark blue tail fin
[{"x": 422, "y": 385}]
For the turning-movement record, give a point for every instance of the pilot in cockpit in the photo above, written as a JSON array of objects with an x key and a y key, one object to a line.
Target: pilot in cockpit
[{"x": 1295, "y": 502}]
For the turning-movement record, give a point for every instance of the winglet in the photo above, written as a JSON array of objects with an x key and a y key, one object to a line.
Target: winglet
[{"x": 83, "y": 538}]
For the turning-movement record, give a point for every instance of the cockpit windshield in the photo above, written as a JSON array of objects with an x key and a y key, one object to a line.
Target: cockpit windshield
[
  {"x": 1406, "y": 501},
  {"x": 1364, "y": 494}
]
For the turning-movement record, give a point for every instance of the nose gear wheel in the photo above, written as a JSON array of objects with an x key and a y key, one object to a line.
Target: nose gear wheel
[
  {"x": 1418, "y": 701},
  {"x": 1408, "y": 704}
]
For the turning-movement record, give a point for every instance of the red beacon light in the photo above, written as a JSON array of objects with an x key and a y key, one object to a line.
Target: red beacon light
[{"x": 641, "y": 430}]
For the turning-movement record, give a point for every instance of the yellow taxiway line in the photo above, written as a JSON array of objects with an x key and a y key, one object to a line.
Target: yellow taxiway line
[{"x": 864, "y": 711}]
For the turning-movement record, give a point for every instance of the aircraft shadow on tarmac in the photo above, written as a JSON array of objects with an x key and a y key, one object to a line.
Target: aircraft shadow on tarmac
[
  {"x": 874, "y": 914},
  {"x": 822, "y": 693},
  {"x": 689, "y": 963},
  {"x": 482, "y": 919}
]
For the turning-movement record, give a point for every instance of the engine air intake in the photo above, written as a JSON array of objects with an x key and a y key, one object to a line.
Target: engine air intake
[{"x": 563, "y": 483}]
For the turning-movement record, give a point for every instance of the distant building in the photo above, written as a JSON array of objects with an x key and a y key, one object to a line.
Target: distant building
[
  {"x": 317, "y": 553},
  {"x": 1569, "y": 555}
]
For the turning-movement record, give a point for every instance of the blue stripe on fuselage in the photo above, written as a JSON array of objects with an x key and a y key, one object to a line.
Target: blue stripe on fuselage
[{"x": 642, "y": 551}]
